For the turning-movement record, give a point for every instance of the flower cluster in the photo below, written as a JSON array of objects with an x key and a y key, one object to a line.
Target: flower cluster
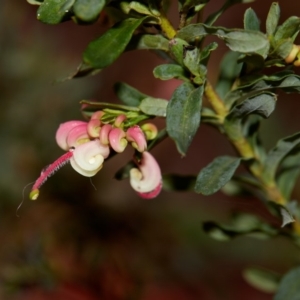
[{"x": 88, "y": 144}]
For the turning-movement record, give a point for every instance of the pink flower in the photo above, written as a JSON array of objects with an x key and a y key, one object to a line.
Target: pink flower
[
  {"x": 117, "y": 139},
  {"x": 88, "y": 158},
  {"x": 136, "y": 136},
  {"x": 94, "y": 127},
  {"x": 63, "y": 132},
  {"x": 147, "y": 179},
  {"x": 104, "y": 132}
]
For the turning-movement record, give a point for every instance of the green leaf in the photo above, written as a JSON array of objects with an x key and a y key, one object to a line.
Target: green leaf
[
  {"x": 129, "y": 95},
  {"x": 277, "y": 154},
  {"x": 148, "y": 41},
  {"x": 216, "y": 174},
  {"x": 247, "y": 42},
  {"x": 102, "y": 105},
  {"x": 272, "y": 19},
  {"x": 283, "y": 48},
  {"x": 251, "y": 21},
  {"x": 286, "y": 216},
  {"x": 229, "y": 71},
  {"x": 88, "y": 10},
  {"x": 103, "y": 51},
  {"x": 170, "y": 71},
  {"x": 183, "y": 115},
  {"x": 136, "y": 6},
  {"x": 35, "y": 2},
  {"x": 288, "y": 29},
  {"x": 154, "y": 106},
  {"x": 239, "y": 40},
  {"x": 53, "y": 11},
  {"x": 262, "y": 105},
  {"x": 289, "y": 287},
  {"x": 176, "y": 47},
  {"x": 288, "y": 174},
  {"x": 206, "y": 51},
  {"x": 261, "y": 279}
]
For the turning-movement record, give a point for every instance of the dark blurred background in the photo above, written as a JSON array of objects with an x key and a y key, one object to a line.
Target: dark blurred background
[{"x": 77, "y": 242}]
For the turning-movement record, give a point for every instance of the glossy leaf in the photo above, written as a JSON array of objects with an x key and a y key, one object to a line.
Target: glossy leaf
[
  {"x": 154, "y": 106},
  {"x": 216, "y": 174},
  {"x": 277, "y": 154},
  {"x": 251, "y": 21},
  {"x": 88, "y": 10},
  {"x": 53, "y": 11},
  {"x": 129, "y": 95},
  {"x": 273, "y": 19},
  {"x": 261, "y": 279},
  {"x": 103, "y": 51},
  {"x": 183, "y": 115},
  {"x": 170, "y": 71},
  {"x": 289, "y": 287}
]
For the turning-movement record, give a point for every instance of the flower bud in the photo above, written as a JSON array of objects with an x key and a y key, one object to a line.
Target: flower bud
[
  {"x": 78, "y": 135},
  {"x": 119, "y": 120},
  {"x": 150, "y": 131},
  {"x": 136, "y": 136},
  {"x": 104, "y": 132},
  {"x": 117, "y": 139},
  {"x": 93, "y": 128}
]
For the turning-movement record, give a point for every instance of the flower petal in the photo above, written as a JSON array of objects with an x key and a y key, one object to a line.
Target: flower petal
[
  {"x": 88, "y": 157},
  {"x": 136, "y": 135},
  {"x": 147, "y": 179},
  {"x": 78, "y": 135},
  {"x": 63, "y": 131},
  {"x": 117, "y": 139}
]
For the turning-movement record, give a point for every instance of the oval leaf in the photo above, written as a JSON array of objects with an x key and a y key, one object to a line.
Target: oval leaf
[
  {"x": 273, "y": 19},
  {"x": 216, "y": 174},
  {"x": 103, "y": 51},
  {"x": 53, "y": 11},
  {"x": 251, "y": 21},
  {"x": 183, "y": 115},
  {"x": 289, "y": 287},
  {"x": 88, "y": 10},
  {"x": 154, "y": 107},
  {"x": 170, "y": 71}
]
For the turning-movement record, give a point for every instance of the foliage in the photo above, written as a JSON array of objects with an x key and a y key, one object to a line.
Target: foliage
[{"x": 256, "y": 67}]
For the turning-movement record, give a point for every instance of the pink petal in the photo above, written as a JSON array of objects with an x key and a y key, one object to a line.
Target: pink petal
[
  {"x": 117, "y": 139},
  {"x": 63, "y": 131},
  {"x": 147, "y": 179},
  {"x": 137, "y": 137},
  {"x": 78, "y": 135},
  {"x": 93, "y": 128}
]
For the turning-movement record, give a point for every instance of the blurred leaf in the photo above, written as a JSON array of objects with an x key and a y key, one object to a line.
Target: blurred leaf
[
  {"x": 229, "y": 71},
  {"x": 289, "y": 287},
  {"x": 83, "y": 70},
  {"x": 174, "y": 182},
  {"x": 136, "y": 6},
  {"x": 102, "y": 105},
  {"x": 214, "y": 16},
  {"x": 154, "y": 106},
  {"x": 272, "y": 19},
  {"x": 35, "y": 2},
  {"x": 183, "y": 115},
  {"x": 288, "y": 174},
  {"x": 277, "y": 154},
  {"x": 251, "y": 21},
  {"x": 53, "y": 11},
  {"x": 148, "y": 41},
  {"x": 123, "y": 173},
  {"x": 288, "y": 29},
  {"x": 287, "y": 217},
  {"x": 127, "y": 94},
  {"x": 170, "y": 71},
  {"x": 283, "y": 48},
  {"x": 88, "y": 10},
  {"x": 241, "y": 225},
  {"x": 261, "y": 279},
  {"x": 216, "y": 174},
  {"x": 103, "y": 51}
]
